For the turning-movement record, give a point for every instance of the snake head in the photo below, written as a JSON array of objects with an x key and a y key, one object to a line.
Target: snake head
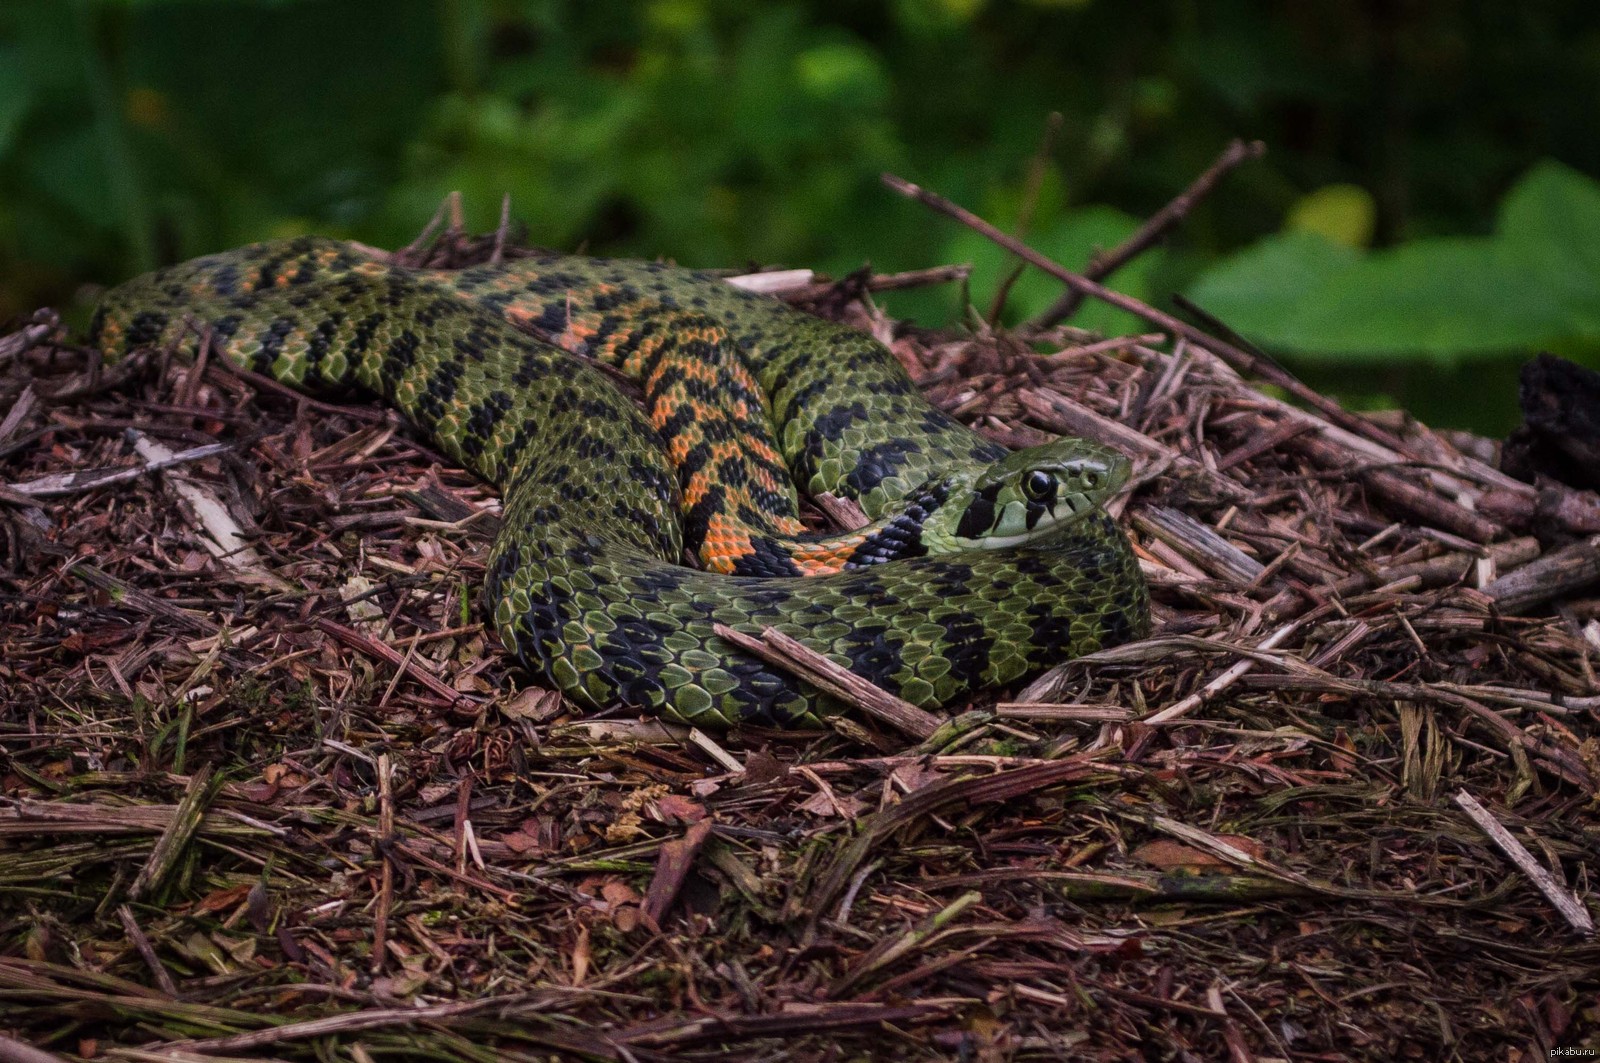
[{"x": 1026, "y": 495}]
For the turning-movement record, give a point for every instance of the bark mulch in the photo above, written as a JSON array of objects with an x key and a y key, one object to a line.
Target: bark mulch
[{"x": 269, "y": 789}]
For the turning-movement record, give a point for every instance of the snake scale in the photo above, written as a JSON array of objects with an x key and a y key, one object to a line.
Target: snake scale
[{"x": 744, "y": 398}]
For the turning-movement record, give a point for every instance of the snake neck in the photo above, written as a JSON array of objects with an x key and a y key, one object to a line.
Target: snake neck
[
  {"x": 899, "y": 533},
  {"x": 1027, "y": 495}
]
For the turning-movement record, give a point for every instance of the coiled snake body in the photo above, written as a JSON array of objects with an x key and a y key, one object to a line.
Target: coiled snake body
[{"x": 742, "y": 393}]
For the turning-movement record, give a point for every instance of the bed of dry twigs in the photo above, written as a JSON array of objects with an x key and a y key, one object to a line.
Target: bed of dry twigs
[{"x": 296, "y": 804}]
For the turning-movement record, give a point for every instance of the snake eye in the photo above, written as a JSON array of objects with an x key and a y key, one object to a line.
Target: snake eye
[
  {"x": 1091, "y": 479},
  {"x": 1038, "y": 485}
]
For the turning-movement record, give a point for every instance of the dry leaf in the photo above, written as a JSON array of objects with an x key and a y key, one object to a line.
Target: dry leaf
[
  {"x": 1169, "y": 855},
  {"x": 533, "y": 703},
  {"x": 761, "y": 766},
  {"x": 625, "y": 828},
  {"x": 1343, "y": 755},
  {"x": 218, "y": 900},
  {"x": 673, "y": 808},
  {"x": 617, "y": 892},
  {"x": 519, "y": 842},
  {"x": 821, "y": 804}
]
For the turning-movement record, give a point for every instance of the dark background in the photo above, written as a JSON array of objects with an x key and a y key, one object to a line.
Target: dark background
[{"x": 1427, "y": 215}]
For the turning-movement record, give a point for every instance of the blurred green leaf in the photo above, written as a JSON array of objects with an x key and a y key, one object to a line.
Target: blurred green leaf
[
  {"x": 17, "y": 97},
  {"x": 1444, "y": 298},
  {"x": 1344, "y": 214},
  {"x": 1535, "y": 283},
  {"x": 842, "y": 72},
  {"x": 1550, "y": 222},
  {"x": 1260, "y": 291}
]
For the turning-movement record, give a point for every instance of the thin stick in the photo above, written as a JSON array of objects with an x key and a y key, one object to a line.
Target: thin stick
[
  {"x": 1030, "y": 200},
  {"x": 146, "y": 951},
  {"x": 1242, "y": 361},
  {"x": 380, "y": 847},
  {"x": 59, "y": 484},
  {"x": 1104, "y": 264},
  {"x": 45, "y": 323},
  {"x": 776, "y": 648},
  {"x": 357, "y": 641},
  {"x": 1227, "y": 678},
  {"x": 1115, "y": 343},
  {"x": 347, "y": 1022},
  {"x": 20, "y": 1052},
  {"x": 1555, "y": 575},
  {"x": 501, "y": 231},
  {"x": 186, "y": 816},
  {"x": 878, "y": 282},
  {"x": 1564, "y": 900}
]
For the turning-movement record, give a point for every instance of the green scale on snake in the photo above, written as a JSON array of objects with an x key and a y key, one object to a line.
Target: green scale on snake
[{"x": 586, "y": 584}]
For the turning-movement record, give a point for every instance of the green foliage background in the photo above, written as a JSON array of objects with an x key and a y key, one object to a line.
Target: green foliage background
[{"x": 1426, "y": 218}]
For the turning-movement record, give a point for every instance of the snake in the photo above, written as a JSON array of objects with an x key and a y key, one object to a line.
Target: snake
[{"x": 979, "y": 566}]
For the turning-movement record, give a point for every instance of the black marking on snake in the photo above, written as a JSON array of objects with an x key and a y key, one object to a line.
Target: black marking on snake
[
  {"x": 439, "y": 392},
  {"x": 1034, "y": 563},
  {"x": 428, "y": 314},
  {"x": 320, "y": 340},
  {"x": 224, "y": 328},
  {"x": 697, "y": 521},
  {"x": 665, "y": 348},
  {"x": 528, "y": 372},
  {"x": 482, "y": 420},
  {"x": 967, "y": 648},
  {"x": 553, "y": 320},
  {"x": 395, "y": 296},
  {"x": 272, "y": 339},
  {"x": 595, "y": 409},
  {"x": 902, "y": 536},
  {"x": 225, "y": 279},
  {"x": 591, "y": 448},
  {"x": 1051, "y": 630},
  {"x": 676, "y": 422},
  {"x": 766, "y": 558},
  {"x": 783, "y": 399},
  {"x": 874, "y": 653},
  {"x": 1120, "y": 625},
  {"x": 705, "y": 391},
  {"x": 401, "y": 354},
  {"x": 836, "y": 420},
  {"x": 950, "y": 578},
  {"x": 979, "y": 516},
  {"x": 890, "y": 387},
  {"x": 878, "y": 463},
  {"x": 146, "y": 328},
  {"x": 774, "y": 502}
]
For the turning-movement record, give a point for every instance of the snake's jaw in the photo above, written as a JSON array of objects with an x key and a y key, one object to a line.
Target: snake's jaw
[{"x": 1027, "y": 495}]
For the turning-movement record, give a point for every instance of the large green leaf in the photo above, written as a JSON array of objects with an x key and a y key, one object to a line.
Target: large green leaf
[
  {"x": 1550, "y": 225},
  {"x": 1262, "y": 290},
  {"x": 1535, "y": 283},
  {"x": 1442, "y": 298}
]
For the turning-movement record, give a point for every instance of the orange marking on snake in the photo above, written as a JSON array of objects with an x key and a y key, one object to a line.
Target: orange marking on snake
[
  {"x": 826, "y": 560},
  {"x": 726, "y": 543}
]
